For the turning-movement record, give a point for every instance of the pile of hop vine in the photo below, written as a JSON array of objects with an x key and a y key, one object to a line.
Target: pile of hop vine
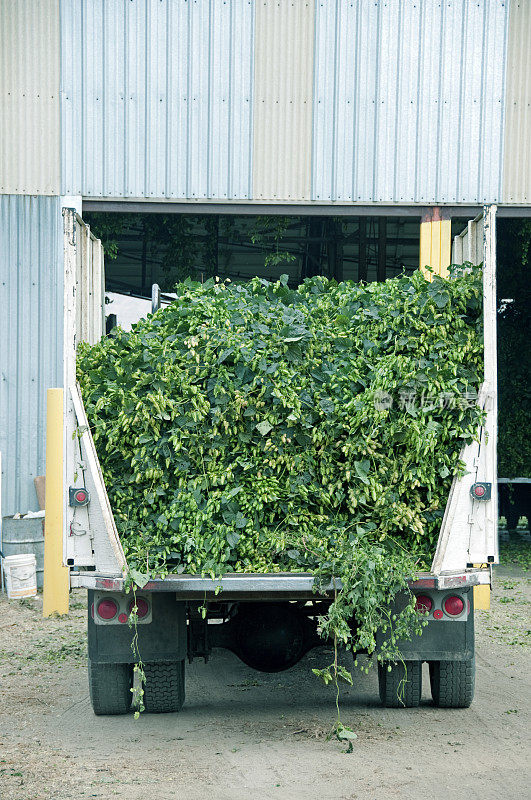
[{"x": 256, "y": 428}]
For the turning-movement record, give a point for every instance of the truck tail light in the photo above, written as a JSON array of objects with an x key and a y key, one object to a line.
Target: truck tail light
[
  {"x": 78, "y": 496},
  {"x": 107, "y": 608},
  {"x": 454, "y": 606},
  {"x": 481, "y": 490},
  {"x": 142, "y": 607},
  {"x": 423, "y": 604}
]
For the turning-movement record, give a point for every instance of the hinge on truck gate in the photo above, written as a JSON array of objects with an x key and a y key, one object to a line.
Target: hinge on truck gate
[{"x": 77, "y": 530}]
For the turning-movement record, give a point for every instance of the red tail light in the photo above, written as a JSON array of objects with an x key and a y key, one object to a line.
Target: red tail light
[
  {"x": 423, "y": 604},
  {"x": 454, "y": 606},
  {"x": 141, "y": 605},
  {"x": 107, "y": 608}
]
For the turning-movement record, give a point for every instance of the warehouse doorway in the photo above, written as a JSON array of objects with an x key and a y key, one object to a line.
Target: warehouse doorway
[{"x": 142, "y": 249}]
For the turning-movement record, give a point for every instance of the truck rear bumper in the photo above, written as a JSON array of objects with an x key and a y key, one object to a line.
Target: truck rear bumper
[{"x": 286, "y": 586}]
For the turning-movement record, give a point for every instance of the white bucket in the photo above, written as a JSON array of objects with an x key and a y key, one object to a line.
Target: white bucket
[{"x": 20, "y": 575}]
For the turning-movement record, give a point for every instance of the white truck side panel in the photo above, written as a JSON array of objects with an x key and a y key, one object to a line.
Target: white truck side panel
[
  {"x": 84, "y": 299},
  {"x": 100, "y": 525},
  {"x": 469, "y": 531},
  {"x": 77, "y": 546}
]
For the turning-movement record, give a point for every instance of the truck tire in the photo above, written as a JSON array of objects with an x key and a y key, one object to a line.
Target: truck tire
[
  {"x": 452, "y": 683},
  {"x": 110, "y": 687},
  {"x": 402, "y": 686},
  {"x": 164, "y": 686}
]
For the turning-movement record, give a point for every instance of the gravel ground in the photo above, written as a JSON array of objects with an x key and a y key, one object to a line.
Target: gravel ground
[{"x": 244, "y": 734}]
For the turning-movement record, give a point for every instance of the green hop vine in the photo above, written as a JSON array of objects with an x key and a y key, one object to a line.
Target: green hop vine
[{"x": 256, "y": 428}]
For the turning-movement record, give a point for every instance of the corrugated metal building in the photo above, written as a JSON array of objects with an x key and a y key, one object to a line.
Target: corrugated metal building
[
  {"x": 233, "y": 100},
  {"x": 31, "y": 337},
  {"x": 313, "y": 103}
]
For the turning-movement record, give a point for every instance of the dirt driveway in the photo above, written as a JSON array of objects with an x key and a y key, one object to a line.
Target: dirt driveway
[{"x": 246, "y": 735}]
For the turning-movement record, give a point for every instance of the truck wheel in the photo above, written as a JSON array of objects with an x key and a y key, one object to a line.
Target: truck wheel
[
  {"x": 164, "y": 686},
  {"x": 401, "y": 687},
  {"x": 452, "y": 683},
  {"x": 110, "y": 687}
]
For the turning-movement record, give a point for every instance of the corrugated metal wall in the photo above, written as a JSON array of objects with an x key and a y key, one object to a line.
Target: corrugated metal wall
[
  {"x": 366, "y": 101},
  {"x": 283, "y": 99},
  {"x": 408, "y": 101},
  {"x": 517, "y": 162},
  {"x": 31, "y": 338},
  {"x": 156, "y": 98},
  {"x": 29, "y": 97}
]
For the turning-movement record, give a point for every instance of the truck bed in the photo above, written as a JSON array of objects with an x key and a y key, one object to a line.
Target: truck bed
[{"x": 468, "y": 540}]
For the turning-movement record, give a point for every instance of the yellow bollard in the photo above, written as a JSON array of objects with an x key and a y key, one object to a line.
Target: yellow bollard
[
  {"x": 482, "y": 597},
  {"x": 435, "y": 243},
  {"x": 56, "y": 578},
  {"x": 482, "y": 594}
]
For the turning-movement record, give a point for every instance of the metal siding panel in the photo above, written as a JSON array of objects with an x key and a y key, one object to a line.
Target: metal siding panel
[
  {"x": 92, "y": 77},
  {"x": 427, "y": 167},
  {"x": 517, "y": 157},
  {"x": 71, "y": 99},
  {"x": 450, "y": 90},
  {"x": 282, "y": 143},
  {"x": 114, "y": 93},
  {"x": 198, "y": 97},
  {"x": 180, "y": 103},
  {"x": 157, "y": 97},
  {"x": 408, "y": 66},
  {"x": 471, "y": 108},
  {"x": 325, "y": 103},
  {"x": 493, "y": 99},
  {"x": 347, "y": 20},
  {"x": 227, "y": 96},
  {"x": 408, "y": 100},
  {"x": 241, "y": 99},
  {"x": 135, "y": 142},
  {"x": 387, "y": 101},
  {"x": 31, "y": 295},
  {"x": 29, "y": 97},
  {"x": 366, "y": 101}
]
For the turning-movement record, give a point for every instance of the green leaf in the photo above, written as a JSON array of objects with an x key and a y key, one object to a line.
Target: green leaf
[
  {"x": 441, "y": 299},
  {"x": 225, "y": 354},
  {"x": 293, "y": 338},
  {"x": 240, "y": 521},
  {"x": 362, "y": 470},
  {"x": 345, "y": 734},
  {"x": 233, "y": 538},
  {"x": 138, "y": 577},
  {"x": 324, "y": 674},
  {"x": 343, "y": 673},
  {"x": 327, "y": 405},
  {"x": 264, "y": 427}
]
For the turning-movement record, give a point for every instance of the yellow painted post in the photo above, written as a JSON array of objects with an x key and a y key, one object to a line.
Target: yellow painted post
[
  {"x": 56, "y": 583},
  {"x": 482, "y": 594},
  {"x": 435, "y": 243}
]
